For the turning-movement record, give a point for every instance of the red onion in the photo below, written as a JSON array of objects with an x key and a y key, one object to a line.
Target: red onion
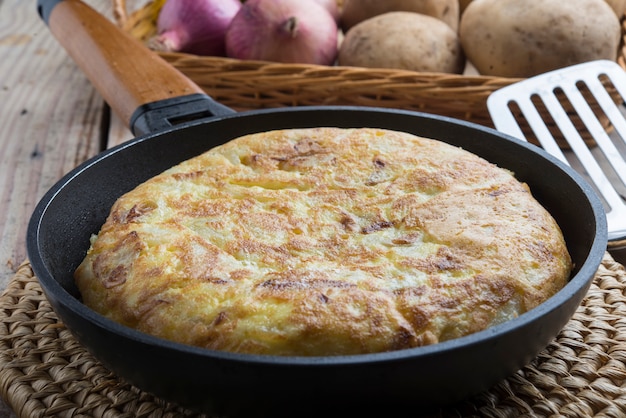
[
  {"x": 288, "y": 31},
  {"x": 332, "y": 7},
  {"x": 194, "y": 26}
]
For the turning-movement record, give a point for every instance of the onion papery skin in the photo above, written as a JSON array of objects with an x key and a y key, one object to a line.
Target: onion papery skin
[
  {"x": 332, "y": 7},
  {"x": 195, "y": 26},
  {"x": 286, "y": 31}
]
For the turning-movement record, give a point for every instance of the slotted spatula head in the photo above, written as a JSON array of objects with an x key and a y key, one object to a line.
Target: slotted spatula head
[{"x": 569, "y": 112}]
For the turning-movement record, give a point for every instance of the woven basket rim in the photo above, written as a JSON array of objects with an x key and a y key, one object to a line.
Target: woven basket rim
[{"x": 246, "y": 85}]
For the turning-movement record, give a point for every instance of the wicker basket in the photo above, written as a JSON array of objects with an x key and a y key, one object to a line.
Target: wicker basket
[{"x": 245, "y": 85}]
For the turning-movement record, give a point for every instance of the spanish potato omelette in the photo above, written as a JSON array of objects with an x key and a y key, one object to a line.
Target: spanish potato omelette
[{"x": 324, "y": 241}]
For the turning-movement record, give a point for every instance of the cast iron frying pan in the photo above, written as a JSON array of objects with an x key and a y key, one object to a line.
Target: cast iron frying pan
[{"x": 177, "y": 121}]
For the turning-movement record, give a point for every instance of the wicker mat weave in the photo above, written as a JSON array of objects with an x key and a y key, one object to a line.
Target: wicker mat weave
[{"x": 582, "y": 373}]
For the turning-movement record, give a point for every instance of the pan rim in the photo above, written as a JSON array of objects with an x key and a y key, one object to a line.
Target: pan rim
[{"x": 577, "y": 283}]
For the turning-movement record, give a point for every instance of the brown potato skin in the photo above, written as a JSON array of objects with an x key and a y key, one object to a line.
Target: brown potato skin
[
  {"x": 403, "y": 40},
  {"x": 618, "y": 6},
  {"x": 356, "y": 11},
  {"x": 464, "y": 4},
  {"x": 509, "y": 38}
]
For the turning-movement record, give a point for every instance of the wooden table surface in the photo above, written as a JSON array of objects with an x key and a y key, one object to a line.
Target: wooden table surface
[{"x": 51, "y": 119}]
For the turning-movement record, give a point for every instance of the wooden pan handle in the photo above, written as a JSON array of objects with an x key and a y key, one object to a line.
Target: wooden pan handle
[{"x": 125, "y": 72}]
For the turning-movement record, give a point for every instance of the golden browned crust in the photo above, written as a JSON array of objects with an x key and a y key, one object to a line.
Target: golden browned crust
[{"x": 324, "y": 242}]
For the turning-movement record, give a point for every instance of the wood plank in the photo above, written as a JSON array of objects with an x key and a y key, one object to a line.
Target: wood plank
[
  {"x": 50, "y": 121},
  {"x": 118, "y": 132},
  {"x": 42, "y": 132}
]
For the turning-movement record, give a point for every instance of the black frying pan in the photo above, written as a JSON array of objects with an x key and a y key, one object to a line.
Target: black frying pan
[{"x": 59, "y": 231}]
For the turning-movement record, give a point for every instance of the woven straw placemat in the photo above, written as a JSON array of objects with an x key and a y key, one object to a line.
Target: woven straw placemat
[{"x": 44, "y": 371}]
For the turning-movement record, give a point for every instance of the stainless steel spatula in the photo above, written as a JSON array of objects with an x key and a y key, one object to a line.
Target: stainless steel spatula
[{"x": 574, "y": 104}]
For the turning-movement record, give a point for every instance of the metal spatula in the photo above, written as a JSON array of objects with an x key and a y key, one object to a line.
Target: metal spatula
[{"x": 574, "y": 104}]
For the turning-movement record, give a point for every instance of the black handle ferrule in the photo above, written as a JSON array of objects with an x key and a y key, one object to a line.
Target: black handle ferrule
[
  {"x": 166, "y": 113},
  {"x": 44, "y": 7}
]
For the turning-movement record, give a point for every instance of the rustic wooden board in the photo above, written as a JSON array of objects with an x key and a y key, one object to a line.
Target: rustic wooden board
[{"x": 51, "y": 119}]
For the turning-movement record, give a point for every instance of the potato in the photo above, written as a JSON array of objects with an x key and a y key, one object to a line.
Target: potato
[
  {"x": 618, "y": 6},
  {"x": 512, "y": 38},
  {"x": 356, "y": 11},
  {"x": 403, "y": 40},
  {"x": 463, "y": 4}
]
